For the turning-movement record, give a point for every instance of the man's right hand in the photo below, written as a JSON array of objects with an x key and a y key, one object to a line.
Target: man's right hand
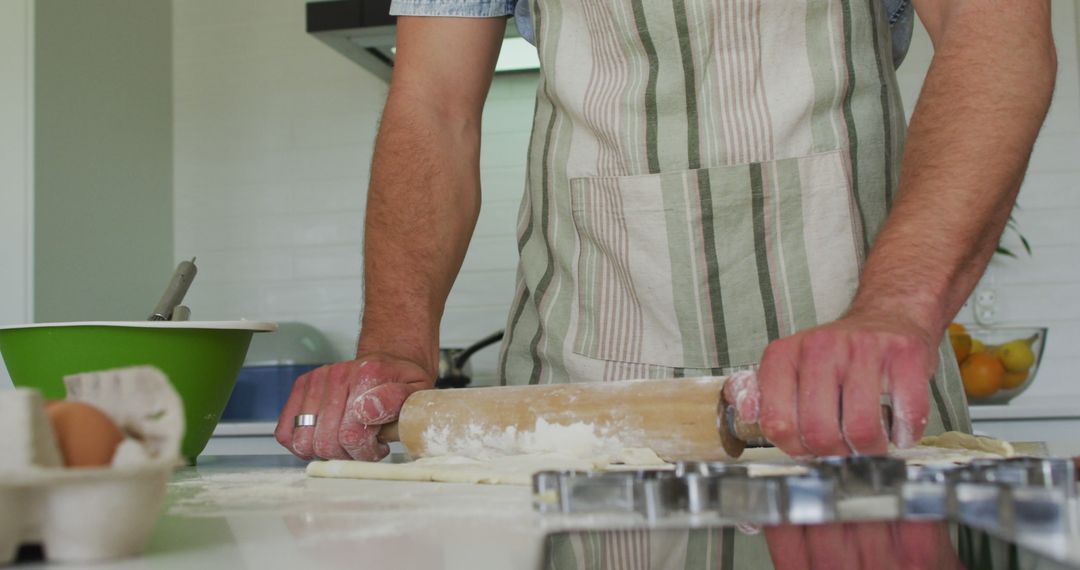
[{"x": 351, "y": 400}]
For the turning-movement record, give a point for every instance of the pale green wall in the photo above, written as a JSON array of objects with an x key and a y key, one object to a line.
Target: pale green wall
[{"x": 103, "y": 158}]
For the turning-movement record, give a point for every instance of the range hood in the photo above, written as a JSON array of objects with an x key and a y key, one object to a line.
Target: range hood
[{"x": 365, "y": 32}]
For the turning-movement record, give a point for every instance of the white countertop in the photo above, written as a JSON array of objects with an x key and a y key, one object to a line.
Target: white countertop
[{"x": 263, "y": 512}]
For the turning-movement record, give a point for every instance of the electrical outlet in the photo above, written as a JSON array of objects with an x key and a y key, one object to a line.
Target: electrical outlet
[
  {"x": 985, "y": 305},
  {"x": 985, "y": 315}
]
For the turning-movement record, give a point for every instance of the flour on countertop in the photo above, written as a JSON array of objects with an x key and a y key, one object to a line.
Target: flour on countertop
[
  {"x": 240, "y": 490},
  {"x": 312, "y": 505}
]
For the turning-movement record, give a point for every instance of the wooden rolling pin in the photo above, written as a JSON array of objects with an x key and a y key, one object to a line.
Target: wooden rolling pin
[{"x": 680, "y": 419}]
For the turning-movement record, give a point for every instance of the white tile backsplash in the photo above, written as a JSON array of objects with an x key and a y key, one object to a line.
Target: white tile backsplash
[
  {"x": 332, "y": 227},
  {"x": 313, "y": 196},
  {"x": 505, "y": 149},
  {"x": 245, "y": 265},
  {"x": 498, "y": 218},
  {"x": 1054, "y": 152},
  {"x": 206, "y": 231},
  {"x": 1045, "y": 267},
  {"x": 1036, "y": 303},
  {"x": 274, "y": 133},
  {"x": 475, "y": 288},
  {"x": 489, "y": 253},
  {"x": 508, "y": 115},
  {"x": 334, "y": 261},
  {"x": 1050, "y": 190},
  {"x": 1048, "y": 227},
  {"x": 502, "y": 185}
]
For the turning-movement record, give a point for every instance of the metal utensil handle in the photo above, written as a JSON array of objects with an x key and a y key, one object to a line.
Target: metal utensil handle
[
  {"x": 174, "y": 293},
  {"x": 753, "y": 437}
]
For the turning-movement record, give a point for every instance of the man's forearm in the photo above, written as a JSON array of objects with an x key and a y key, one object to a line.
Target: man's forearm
[
  {"x": 980, "y": 110},
  {"x": 423, "y": 202}
]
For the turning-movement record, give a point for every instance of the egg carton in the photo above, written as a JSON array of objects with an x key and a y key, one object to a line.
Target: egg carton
[{"x": 88, "y": 514}]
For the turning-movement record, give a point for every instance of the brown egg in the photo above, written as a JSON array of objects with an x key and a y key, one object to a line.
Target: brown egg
[{"x": 86, "y": 435}]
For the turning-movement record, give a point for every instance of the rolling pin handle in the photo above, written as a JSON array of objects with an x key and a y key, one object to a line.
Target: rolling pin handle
[
  {"x": 389, "y": 433},
  {"x": 737, "y": 435}
]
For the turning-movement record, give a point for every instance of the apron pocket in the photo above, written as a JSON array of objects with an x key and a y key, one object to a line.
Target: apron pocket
[{"x": 702, "y": 268}]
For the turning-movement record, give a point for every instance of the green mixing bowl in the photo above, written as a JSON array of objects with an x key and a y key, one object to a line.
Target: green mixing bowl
[{"x": 201, "y": 359}]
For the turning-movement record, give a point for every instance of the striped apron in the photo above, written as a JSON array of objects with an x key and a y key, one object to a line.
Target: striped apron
[{"x": 705, "y": 176}]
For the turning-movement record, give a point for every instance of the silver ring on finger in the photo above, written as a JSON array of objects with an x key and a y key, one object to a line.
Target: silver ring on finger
[{"x": 305, "y": 420}]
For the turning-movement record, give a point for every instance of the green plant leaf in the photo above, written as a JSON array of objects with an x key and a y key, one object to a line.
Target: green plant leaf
[
  {"x": 1012, "y": 224},
  {"x": 1002, "y": 250}
]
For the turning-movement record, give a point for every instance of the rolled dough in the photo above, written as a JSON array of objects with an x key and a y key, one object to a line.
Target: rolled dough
[
  {"x": 948, "y": 448},
  {"x": 972, "y": 443},
  {"x": 504, "y": 470}
]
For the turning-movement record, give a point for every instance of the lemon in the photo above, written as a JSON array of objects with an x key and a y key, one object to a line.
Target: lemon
[
  {"x": 977, "y": 346},
  {"x": 1016, "y": 355}
]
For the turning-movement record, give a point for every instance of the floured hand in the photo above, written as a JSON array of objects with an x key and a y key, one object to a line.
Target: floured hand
[
  {"x": 821, "y": 387},
  {"x": 351, "y": 400}
]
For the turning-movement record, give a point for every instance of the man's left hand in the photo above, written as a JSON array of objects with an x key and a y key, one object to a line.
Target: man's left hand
[{"x": 821, "y": 388}]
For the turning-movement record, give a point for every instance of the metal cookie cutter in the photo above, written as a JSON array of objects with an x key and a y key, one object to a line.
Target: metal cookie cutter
[
  {"x": 1043, "y": 473},
  {"x": 869, "y": 486},
  {"x": 703, "y": 490},
  {"x": 1023, "y": 497},
  {"x": 703, "y": 482},
  {"x": 651, "y": 493},
  {"x": 796, "y": 499},
  {"x": 925, "y": 494}
]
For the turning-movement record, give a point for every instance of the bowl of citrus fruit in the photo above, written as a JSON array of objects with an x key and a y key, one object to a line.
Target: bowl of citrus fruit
[{"x": 997, "y": 363}]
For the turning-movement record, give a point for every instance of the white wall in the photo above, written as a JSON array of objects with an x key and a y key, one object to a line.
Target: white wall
[
  {"x": 273, "y": 138},
  {"x": 16, "y": 165},
  {"x": 1043, "y": 289}
]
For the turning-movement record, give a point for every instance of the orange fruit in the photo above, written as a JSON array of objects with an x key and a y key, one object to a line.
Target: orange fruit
[
  {"x": 957, "y": 328},
  {"x": 961, "y": 345},
  {"x": 983, "y": 374},
  {"x": 1013, "y": 379}
]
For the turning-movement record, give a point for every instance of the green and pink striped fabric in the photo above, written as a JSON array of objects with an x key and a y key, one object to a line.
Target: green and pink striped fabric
[{"x": 705, "y": 176}]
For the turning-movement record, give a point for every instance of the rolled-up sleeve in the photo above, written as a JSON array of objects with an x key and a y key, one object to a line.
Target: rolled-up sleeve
[{"x": 461, "y": 8}]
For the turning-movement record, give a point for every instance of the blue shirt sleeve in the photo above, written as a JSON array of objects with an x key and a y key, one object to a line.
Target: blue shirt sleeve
[
  {"x": 900, "y": 12},
  {"x": 461, "y": 8},
  {"x": 523, "y": 20},
  {"x": 901, "y": 23}
]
